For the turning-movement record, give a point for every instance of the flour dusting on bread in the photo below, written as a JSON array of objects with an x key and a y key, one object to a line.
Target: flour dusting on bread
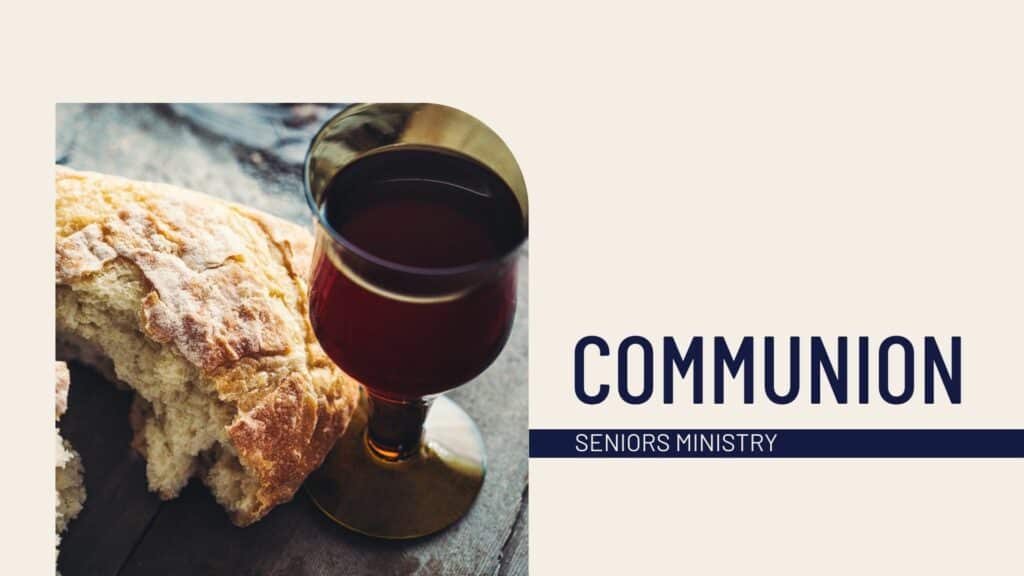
[{"x": 201, "y": 307}]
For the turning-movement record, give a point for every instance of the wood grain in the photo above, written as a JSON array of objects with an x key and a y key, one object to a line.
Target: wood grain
[{"x": 118, "y": 508}]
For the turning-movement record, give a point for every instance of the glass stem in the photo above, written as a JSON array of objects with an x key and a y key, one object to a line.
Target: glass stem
[{"x": 395, "y": 428}]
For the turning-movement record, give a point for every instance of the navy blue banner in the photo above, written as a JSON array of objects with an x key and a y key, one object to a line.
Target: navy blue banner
[{"x": 771, "y": 443}]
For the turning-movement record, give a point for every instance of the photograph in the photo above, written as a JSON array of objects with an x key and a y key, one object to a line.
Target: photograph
[
  {"x": 291, "y": 338},
  {"x": 288, "y": 330}
]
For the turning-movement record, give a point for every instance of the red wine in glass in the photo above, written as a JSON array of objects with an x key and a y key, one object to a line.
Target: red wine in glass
[
  {"x": 420, "y": 211},
  {"x": 428, "y": 296}
]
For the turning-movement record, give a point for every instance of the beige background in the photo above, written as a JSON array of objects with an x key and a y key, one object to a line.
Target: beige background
[{"x": 724, "y": 168}]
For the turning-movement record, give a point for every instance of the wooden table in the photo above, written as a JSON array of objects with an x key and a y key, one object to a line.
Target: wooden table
[{"x": 126, "y": 530}]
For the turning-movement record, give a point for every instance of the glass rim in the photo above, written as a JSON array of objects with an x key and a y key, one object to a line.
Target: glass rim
[{"x": 338, "y": 238}]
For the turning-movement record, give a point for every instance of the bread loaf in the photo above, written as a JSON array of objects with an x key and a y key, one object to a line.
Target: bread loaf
[
  {"x": 200, "y": 307},
  {"x": 70, "y": 488}
]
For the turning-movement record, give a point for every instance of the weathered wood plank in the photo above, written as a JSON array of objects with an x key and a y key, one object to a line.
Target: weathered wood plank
[
  {"x": 118, "y": 507},
  {"x": 514, "y": 560}
]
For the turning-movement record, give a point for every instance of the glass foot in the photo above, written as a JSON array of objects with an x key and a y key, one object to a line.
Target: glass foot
[{"x": 408, "y": 498}]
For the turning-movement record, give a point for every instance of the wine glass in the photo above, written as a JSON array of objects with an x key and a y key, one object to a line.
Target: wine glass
[{"x": 420, "y": 214}]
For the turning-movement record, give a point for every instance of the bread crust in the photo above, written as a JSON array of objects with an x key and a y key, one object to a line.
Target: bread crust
[{"x": 226, "y": 291}]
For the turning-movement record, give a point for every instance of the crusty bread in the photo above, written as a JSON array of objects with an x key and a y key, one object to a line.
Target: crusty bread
[
  {"x": 200, "y": 307},
  {"x": 70, "y": 489}
]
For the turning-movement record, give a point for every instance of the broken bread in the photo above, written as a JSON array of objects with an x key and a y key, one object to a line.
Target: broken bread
[
  {"x": 200, "y": 307},
  {"x": 70, "y": 487}
]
